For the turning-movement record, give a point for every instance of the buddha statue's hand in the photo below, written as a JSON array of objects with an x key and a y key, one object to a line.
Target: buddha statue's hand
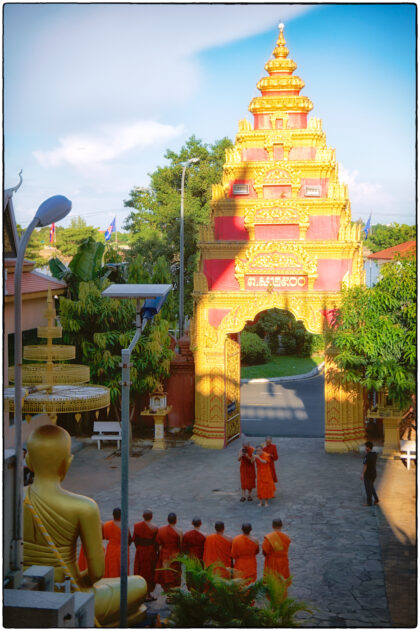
[{"x": 84, "y": 580}]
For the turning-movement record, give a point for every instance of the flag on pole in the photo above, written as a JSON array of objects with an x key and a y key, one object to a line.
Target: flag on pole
[
  {"x": 366, "y": 229},
  {"x": 52, "y": 232},
  {"x": 110, "y": 230}
]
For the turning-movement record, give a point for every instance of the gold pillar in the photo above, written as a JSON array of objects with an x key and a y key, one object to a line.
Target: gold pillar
[
  {"x": 344, "y": 424},
  {"x": 209, "y": 427}
]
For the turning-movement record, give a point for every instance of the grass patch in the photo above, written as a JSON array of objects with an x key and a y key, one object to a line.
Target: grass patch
[{"x": 281, "y": 366}]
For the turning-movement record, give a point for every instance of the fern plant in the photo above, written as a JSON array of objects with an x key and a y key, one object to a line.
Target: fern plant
[{"x": 213, "y": 601}]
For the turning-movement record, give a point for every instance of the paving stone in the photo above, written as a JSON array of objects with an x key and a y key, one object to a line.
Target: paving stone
[{"x": 335, "y": 555}]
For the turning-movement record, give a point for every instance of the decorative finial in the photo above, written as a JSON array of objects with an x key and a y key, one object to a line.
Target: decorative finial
[
  {"x": 281, "y": 27},
  {"x": 15, "y": 188}
]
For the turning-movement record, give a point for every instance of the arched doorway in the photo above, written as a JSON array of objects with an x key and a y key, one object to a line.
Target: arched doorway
[{"x": 281, "y": 237}]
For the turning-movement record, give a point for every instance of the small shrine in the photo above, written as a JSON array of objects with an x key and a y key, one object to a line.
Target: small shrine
[
  {"x": 53, "y": 388},
  {"x": 280, "y": 236}
]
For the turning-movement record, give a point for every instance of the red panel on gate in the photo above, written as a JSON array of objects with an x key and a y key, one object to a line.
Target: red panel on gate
[
  {"x": 276, "y": 232},
  {"x": 323, "y": 227},
  {"x": 220, "y": 274},
  {"x": 230, "y": 229}
]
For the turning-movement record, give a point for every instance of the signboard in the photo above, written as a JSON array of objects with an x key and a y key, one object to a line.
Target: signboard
[
  {"x": 313, "y": 191},
  {"x": 260, "y": 282}
]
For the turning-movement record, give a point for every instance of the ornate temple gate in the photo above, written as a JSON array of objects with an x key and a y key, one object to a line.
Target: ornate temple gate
[{"x": 280, "y": 236}]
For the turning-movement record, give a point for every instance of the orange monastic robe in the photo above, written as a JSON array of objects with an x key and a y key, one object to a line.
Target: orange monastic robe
[
  {"x": 217, "y": 549},
  {"x": 272, "y": 450},
  {"x": 265, "y": 484},
  {"x": 244, "y": 554},
  {"x": 275, "y": 549},
  {"x": 193, "y": 543},
  {"x": 247, "y": 471},
  {"x": 112, "y": 532},
  {"x": 144, "y": 537},
  {"x": 169, "y": 539}
]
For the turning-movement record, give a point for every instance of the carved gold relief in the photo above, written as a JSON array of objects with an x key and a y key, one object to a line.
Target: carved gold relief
[
  {"x": 288, "y": 103},
  {"x": 275, "y": 258}
]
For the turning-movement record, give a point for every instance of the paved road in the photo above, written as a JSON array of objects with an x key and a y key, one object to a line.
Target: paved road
[{"x": 289, "y": 408}]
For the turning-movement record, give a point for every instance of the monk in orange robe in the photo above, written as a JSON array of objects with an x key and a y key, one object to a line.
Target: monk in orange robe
[
  {"x": 276, "y": 550},
  {"x": 193, "y": 540},
  {"x": 217, "y": 549},
  {"x": 244, "y": 553},
  {"x": 246, "y": 470},
  {"x": 271, "y": 449},
  {"x": 169, "y": 539},
  {"x": 112, "y": 532},
  {"x": 265, "y": 484},
  {"x": 144, "y": 537}
]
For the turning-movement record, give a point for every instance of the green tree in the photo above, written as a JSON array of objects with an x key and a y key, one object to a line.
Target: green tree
[
  {"x": 374, "y": 335},
  {"x": 100, "y": 327},
  {"x": 382, "y": 237},
  {"x": 39, "y": 239},
  {"x": 154, "y": 221},
  {"x": 68, "y": 239}
]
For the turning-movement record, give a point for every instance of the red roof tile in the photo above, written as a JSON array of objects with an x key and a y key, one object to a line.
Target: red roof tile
[
  {"x": 33, "y": 282},
  {"x": 403, "y": 249}
]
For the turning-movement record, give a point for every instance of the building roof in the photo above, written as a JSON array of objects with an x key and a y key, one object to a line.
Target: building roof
[
  {"x": 33, "y": 282},
  {"x": 403, "y": 249}
]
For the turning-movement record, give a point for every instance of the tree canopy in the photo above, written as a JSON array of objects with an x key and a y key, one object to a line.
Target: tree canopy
[
  {"x": 154, "y": 223},
  {"x": 374, "y": 334},
  {"x": 383, "y": 237}
]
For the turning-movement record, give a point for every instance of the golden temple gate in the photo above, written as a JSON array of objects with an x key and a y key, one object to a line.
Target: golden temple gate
[{"x": 280, "y": 236}]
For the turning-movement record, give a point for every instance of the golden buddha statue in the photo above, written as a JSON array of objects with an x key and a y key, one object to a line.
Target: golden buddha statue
[{"x": 51, "y": 512}]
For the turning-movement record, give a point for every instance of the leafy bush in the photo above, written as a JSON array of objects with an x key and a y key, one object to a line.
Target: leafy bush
[
  {"x": 213, "y": 601},
  {"x": 294, "y": 337},
  {"x": 254, "y": 350}
]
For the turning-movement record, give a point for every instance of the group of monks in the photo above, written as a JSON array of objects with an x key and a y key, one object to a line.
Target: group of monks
[
  {"x": 257, "y": 466},
  {"x": 156, "y": 549}
]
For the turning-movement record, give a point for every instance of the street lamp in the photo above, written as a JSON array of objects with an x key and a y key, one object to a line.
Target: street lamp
[
  {"x": 50, "y": 211},
  {"x": 154, "y": 297},
  {"x": 181, "y": 248}
]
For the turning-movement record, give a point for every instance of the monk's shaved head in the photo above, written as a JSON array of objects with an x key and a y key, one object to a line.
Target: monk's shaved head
[
  {"x": 147, "y": 515},
  {"x": 196, "y": 522},
  {"x": 49, "y": 446},
  {"x": 277, "y": 523},
  {"x": 172, "y": 518},
  {"x": 219, "y": 526},
  {"x": 246, "y": 528}
]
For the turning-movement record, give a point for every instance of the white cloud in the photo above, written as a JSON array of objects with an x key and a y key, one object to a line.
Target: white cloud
[
  {"x": 366, "y": 192},
  {"x": 90, "y": 151}
]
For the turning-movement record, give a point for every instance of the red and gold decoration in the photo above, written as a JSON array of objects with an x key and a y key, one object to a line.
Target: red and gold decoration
[{"x": 280, "y": 235}]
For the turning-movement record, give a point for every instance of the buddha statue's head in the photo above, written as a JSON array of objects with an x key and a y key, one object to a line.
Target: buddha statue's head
[{"x": 49, "y": 451}]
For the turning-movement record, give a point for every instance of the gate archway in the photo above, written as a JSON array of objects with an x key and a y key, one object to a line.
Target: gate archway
[{"x": 280, "y": 236}]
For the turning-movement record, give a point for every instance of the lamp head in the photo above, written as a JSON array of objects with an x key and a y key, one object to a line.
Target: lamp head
[{"x": 53, "y": 209}]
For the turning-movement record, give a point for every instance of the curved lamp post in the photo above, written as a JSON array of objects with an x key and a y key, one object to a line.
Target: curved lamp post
[
  {"x": 181, "y": 249},
  {"x": 50, "y": 211}
]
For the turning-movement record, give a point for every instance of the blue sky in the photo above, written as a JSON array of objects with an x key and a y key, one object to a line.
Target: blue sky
[{"x": 95, "y": 94}]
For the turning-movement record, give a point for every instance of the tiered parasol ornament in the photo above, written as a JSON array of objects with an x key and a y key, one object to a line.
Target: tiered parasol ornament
[{"x": 55, "y": 388}]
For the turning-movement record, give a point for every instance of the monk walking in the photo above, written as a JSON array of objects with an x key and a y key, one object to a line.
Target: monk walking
[
  {"x": 112, "y": 531},
  {"x": 193, "y": 540},
  {"x": 217, "y": 549},
  {"x": 276, "y": 551},
  {"x": 246, "y": 470},
  {"x": 144, "y": 537},
  {"x": 271, "y": 449},
  {"x": 265, "y": 484},
  {"x": 244, "y": 553},
  {"x": 169, "y": 539}
]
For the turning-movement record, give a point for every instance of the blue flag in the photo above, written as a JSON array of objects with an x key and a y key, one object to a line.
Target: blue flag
[
  {"x": 366, "y": 229},
  {"x": 110, "y": 230}
]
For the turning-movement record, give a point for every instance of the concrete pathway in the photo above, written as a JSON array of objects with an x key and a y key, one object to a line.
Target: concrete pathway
[{"x": 336, "y": 557}]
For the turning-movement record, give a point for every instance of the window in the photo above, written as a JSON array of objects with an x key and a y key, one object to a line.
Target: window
[
  {"x": 313, "y": 191},
  {"x": 240, "y": 189}
]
